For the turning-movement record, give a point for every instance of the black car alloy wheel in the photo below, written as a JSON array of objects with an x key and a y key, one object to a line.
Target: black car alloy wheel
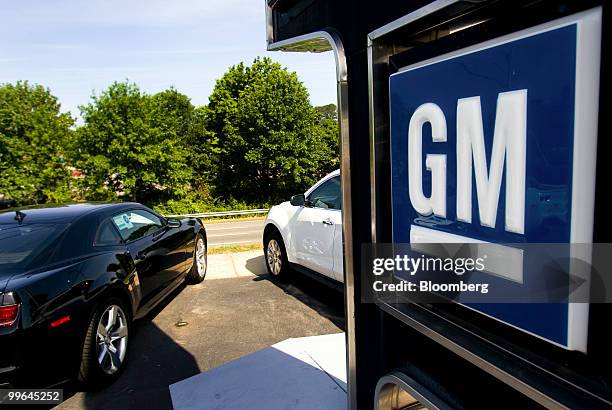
[
  {"x": 106, "y": 344},
  {"x": 200, "y": 261},
  {"x": 112, "y": 339}
]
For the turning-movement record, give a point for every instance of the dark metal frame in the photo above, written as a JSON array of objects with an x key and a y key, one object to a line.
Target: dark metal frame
[
  {"x": 526, "y": 370},
  {"x": 383, "y": 44},
  {"x": 322, "y": 41}
]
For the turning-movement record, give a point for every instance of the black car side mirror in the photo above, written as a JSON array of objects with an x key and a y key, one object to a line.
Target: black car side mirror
[
  {"x": 298, "y": 200},
  {"x": 174, "y": 223}
]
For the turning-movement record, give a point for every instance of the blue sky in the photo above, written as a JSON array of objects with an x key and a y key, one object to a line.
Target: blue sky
[{"x": 77, "y": 47}]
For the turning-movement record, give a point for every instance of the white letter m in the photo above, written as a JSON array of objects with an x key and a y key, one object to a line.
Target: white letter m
[{"x": 509, "y": 143}]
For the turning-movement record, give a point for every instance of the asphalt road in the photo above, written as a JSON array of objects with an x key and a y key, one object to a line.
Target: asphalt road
[
  {"x": 225, "y": 319},
  {"x": 236, "y": 232}
]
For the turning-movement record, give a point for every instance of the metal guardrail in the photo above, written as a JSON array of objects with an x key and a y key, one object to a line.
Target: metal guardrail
[{"x": 221, "y": 214}]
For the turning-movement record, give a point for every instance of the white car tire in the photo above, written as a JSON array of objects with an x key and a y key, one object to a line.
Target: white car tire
[{"x": 276, "y": 256}]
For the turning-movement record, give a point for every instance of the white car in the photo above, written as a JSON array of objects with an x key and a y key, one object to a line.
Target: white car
[{"x": 305, "y": 234}]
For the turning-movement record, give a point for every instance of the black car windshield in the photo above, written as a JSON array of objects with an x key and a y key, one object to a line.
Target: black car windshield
[{"x": 20, "y": 244}]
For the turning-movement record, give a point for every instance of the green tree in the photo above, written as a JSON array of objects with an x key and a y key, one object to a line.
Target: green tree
[
  {"x": 34, "y": 135},
  {"x": 177, "y": 117},
  {"x": 271, "y": 140},
  {"x": 133, "y": 144},
  {"x": 330, "y": 129},
  {"x": 328, "y": 111}
]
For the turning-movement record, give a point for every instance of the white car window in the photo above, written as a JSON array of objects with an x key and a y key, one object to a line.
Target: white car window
[{"x": 327, "y": 195}]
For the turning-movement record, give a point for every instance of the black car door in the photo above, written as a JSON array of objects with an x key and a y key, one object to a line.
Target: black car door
[{"x": 158, "y": 256}]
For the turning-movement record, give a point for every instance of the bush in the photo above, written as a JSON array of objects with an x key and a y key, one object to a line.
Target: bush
[{"x": 193, "y": 204}]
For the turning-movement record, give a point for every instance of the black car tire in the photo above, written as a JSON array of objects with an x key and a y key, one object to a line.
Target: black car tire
[
  {"x": 91, "y": 373},
  {"x": 197, "y": 273},
  {"x": 276, "y": 256}
]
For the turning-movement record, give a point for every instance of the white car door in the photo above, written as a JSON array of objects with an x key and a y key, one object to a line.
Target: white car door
[
  {"x": 338, "y": 250},
  {"x": 315, "y": 227}
]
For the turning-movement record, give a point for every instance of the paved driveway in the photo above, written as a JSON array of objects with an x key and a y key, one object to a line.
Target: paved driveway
[{"x": 222, "y": 319}]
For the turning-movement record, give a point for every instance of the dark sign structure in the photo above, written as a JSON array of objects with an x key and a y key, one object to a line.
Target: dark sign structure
[{"x": 469, "y": 122}]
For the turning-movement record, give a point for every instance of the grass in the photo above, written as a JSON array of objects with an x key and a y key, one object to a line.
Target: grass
[{"x": 214, "y": 250}]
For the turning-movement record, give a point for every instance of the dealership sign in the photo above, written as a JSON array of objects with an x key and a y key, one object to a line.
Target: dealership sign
[{"x": 497, "y": 143}]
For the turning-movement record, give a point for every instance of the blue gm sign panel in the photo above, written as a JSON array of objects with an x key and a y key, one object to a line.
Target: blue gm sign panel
[{"x": 482, "y": 149}]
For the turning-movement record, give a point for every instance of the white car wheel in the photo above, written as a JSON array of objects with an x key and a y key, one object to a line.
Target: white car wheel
[{"x": 274, "y": 256}]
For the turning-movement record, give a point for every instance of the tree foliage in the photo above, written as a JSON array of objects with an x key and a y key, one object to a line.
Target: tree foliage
[
  {"x": 328, "y": 123},
  {"x": 272, "y": 141},
  {"x": 34, "y": 136},
  {"x": 133, "y": 144},
  {"x": 328, "y": 112},
  {"x": 258, "y": 141}
]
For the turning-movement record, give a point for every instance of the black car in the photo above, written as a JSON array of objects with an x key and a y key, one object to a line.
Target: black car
[{"x": 72, "y": 279}]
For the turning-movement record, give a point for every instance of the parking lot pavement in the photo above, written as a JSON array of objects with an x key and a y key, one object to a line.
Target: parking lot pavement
[
  {"x": 203, "y": 326},
  {"x": 234, "y": 232}
]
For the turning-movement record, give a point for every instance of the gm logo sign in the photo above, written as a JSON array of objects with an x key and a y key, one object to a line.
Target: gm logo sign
[
  {"x": 508, "y": 145},
  {"x": 497, "y": 143}
]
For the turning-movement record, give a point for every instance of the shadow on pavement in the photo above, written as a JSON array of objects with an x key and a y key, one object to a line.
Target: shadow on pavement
[
  {"x": 155, "y": 361},
  {"x": 326, "y": 301}
]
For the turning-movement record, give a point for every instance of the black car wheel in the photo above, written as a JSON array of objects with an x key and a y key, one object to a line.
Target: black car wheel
[
  {"x": 200, "y": 261},
  {"x": 106, "y": 344},
  {"x": 276, "y": 256}
]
